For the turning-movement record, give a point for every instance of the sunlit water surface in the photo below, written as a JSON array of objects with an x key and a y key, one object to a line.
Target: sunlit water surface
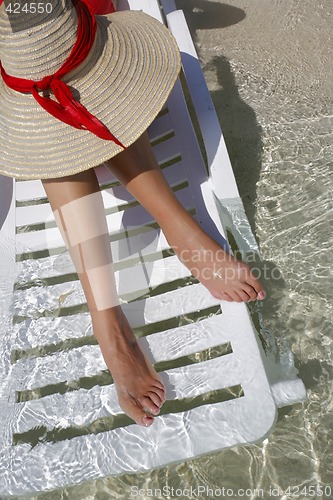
[{"x": 268, "y": 68}]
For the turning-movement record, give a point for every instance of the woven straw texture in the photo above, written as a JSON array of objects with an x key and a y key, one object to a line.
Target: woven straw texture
[{"x": 124, "y": 82}]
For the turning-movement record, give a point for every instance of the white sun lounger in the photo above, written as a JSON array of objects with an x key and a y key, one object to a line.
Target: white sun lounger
[{"x": 58, "y": 404}]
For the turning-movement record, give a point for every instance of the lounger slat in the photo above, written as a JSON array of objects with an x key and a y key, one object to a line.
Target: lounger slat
[
  {"x": 87, "y": 361},
  {"x": 147, "y": 245},
  {"x": 168, "y": 150},
  {"x": 55, "y": 331},
  {"x": 151, "y": 310},
  {"x": 135, "y": 282},
  {"x": 51, "y": 238},
  {"x": 181, "y": 431},
  {"x": 112, "y": 198},
  {"x": 34, "y": 190},
  {"x": 161, "y": 127},
  {"x": 31, "y": 333},
  {"x": 29, "y": 190},
  {"x": 184, "y": 382}
]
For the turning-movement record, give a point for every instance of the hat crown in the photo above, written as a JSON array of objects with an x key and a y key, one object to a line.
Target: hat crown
[{"x": 34, "y": 45}]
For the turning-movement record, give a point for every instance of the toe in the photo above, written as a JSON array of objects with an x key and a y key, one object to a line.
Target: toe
[
  {"x": 235, "y": 297},
  {"x": 158, "y": 389},
  {"x": 221, "y": 295},
  {"x": 243, "y": 295},
  {"x": 226, "y": 296},
  {"x": 250, "y": 291},
  {"x": 256, "y": 285},
  {"x": 160, "y": 393},
  {"x": 156, "y": 399},
  {"x": 147, "y": 420},
  {"x": 135, "y": 412},
  {"x": 159, "y": 385},
  {"x": 217, "y": 294},
  {"x": 148, "y": 405}
]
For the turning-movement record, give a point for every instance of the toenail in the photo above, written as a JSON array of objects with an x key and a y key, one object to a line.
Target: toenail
[
  {"x": 147, "y": 421},
  {"x": 154, "y": 411},
  {"x": 261, "y": 295}
]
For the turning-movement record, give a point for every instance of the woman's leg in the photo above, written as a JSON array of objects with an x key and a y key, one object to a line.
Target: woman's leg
[
  {"x": 78, "y": 208},
  {"x": 225, "y": 277}
]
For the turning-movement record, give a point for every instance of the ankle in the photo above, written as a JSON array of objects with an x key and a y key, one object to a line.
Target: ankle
[
  {"x": 111, "y": 324},
  {"x": 113, "y": 314}
]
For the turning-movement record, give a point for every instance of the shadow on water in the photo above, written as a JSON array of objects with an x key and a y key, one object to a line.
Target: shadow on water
[
  {"x": 312, "y": 372},
  {"x": 216, "y": 15},
  {"x": 241, "y": 130},
  {"x": 243, "y": 137}
]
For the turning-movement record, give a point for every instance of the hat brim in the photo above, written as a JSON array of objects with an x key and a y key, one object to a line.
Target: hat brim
[{"x": 124, "y": 82}]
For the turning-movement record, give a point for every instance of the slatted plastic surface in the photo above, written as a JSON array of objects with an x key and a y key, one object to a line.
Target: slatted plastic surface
[{"x": 62, "y": 405}]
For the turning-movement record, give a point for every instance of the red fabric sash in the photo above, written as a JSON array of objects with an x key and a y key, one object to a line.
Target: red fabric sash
[
  {"x": 100, "y": 6},
  {"x": 67, "y": 109}
]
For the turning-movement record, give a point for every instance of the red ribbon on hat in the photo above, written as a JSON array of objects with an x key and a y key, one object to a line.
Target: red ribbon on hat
[
  {"x": 100, "y": 6},
  {"x": 67, "y": 109}
]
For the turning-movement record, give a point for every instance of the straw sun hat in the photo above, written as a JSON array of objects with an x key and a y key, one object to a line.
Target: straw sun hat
[{"x": 121, "y": 82}]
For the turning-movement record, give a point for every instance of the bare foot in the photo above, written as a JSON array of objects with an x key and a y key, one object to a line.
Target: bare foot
[
  {"x": 140, "y": 390},
  {"x": 225, "y": 277}
]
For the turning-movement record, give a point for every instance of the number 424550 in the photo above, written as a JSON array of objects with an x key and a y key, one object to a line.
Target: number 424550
[{"x": 29, "y": 8}]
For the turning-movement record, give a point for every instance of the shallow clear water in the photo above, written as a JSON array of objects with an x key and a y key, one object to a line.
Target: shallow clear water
[{"x": 270, "y": 74}]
